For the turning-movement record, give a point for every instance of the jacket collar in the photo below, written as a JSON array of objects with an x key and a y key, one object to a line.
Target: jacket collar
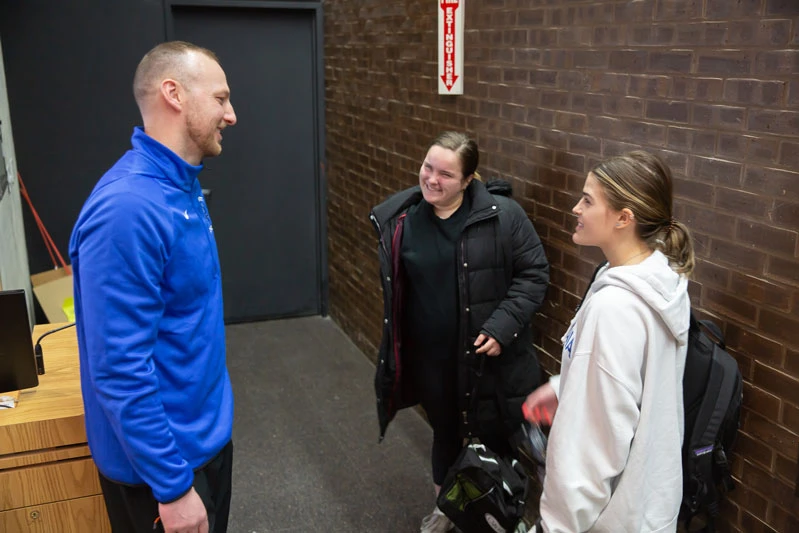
[
  {"x": 181, "y": 173},
  {"x": 396, "y": 204},
  {"x": 483, "y": 202},
  {"x": 481, "y": 198}
]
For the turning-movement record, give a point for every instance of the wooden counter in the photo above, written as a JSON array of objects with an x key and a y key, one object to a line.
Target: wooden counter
[{"x": 48, "y": 482}]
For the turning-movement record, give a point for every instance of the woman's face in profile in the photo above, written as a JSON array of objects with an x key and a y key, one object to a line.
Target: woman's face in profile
[
  {"x": 441, "y": 178},
  {"x": 595, "y": 218}
]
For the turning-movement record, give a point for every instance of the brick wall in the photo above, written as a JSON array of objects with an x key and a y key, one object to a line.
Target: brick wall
[{"x": 553, "y": 86}]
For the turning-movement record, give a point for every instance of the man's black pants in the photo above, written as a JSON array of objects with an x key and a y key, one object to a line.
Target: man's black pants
[{"x": 133, "y": 509}]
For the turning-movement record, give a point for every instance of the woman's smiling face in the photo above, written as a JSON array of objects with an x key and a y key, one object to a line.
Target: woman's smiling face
[
  {"x": 595, "y": 218},
  {"x": 441, "y": 178}
]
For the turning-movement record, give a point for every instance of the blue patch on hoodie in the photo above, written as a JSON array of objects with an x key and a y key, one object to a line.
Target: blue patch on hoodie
[{"x": 569, "y": 344}]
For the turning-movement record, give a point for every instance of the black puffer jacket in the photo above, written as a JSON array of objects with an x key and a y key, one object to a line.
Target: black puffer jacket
[{"x": 502, "y": 279}]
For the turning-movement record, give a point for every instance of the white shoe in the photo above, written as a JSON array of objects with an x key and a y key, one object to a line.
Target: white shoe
[{"x": 436, "y": 522}]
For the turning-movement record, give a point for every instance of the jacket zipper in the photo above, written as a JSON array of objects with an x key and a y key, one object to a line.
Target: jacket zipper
[
  {"x": 195, "y": 199},
  {"x": 463, "y": 287}
]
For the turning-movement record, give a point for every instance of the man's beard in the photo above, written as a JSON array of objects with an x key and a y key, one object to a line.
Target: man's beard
[{"x": 204, "y": 137}]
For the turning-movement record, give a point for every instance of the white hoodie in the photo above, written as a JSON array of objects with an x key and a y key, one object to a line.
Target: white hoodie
[{"x": 614, "y": 455}]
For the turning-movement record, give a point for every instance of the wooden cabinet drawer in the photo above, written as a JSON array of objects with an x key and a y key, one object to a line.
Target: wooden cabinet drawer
[
  {"x": 81, "y": 515},
  {"x": 24, "y": 487},
  {"x": 64, "y": 453},
  {"x": 27, "y": 436}
]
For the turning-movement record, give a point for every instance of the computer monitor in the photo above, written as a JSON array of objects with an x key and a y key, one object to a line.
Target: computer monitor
[{"x": 17, "y": 360}]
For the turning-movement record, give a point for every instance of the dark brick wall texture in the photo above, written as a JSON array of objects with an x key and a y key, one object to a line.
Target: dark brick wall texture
[{"x": 552, "y": 87}]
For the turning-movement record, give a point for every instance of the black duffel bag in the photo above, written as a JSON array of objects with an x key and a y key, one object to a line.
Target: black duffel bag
[{"x": 484, "y": 492}]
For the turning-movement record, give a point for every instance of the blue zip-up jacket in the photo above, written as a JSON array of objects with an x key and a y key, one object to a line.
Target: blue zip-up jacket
[{"x": 148, "y": 306}]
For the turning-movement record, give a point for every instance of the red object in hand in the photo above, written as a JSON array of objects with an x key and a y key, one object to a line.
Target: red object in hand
[
  {"x": 536, "y": 415},
  {"x": 526, "y": 412}
]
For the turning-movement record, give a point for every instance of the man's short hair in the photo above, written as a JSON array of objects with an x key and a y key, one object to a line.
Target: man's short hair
[{"x": 165, "y": 60}]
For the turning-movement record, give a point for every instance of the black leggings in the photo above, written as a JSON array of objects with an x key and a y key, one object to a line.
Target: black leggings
[{"x": 436, "y": 384}]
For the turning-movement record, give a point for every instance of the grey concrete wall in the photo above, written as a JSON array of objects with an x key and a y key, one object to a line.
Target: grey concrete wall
[{"x": 14, "y": 272}]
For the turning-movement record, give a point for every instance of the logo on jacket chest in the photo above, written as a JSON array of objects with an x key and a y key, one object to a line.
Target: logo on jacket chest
[
  {"x": 206, "y": 217},
  {"x": 568, "y": 343}
]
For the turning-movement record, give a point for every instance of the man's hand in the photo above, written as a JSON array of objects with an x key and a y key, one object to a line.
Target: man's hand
[
  {"x": 185, "y": 515},
  {"x": 488, "y": 345}
]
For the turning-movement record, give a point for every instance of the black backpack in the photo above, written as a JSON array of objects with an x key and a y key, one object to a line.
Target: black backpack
[{"x": 712, "y": 396}]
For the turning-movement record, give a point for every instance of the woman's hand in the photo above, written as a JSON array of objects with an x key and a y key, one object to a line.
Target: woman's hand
[
  {"x": 540, "y": 405},
  {"x": 488, "y": 345}
]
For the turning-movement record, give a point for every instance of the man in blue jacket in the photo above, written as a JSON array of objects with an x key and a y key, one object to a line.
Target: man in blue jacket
[{"x": 148, "y": 305}]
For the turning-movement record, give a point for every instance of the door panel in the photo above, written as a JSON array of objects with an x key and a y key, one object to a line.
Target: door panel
[{"x": 264, "y": 188}]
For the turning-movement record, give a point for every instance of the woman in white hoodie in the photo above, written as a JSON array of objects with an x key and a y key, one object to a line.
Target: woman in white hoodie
[{"x": 614, "y": 455}]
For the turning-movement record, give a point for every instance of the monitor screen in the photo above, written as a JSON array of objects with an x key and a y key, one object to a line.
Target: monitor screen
[{"x": 17, "y": 361}]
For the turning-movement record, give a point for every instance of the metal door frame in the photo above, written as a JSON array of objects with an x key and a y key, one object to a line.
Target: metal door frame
[{"x": 320, "y": 182}]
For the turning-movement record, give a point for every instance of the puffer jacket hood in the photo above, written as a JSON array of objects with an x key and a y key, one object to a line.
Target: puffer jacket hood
[{"x": 500, "y": 187}]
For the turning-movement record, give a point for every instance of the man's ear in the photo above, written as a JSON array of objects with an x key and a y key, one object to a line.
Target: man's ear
[{"x": 172, "y": 92}]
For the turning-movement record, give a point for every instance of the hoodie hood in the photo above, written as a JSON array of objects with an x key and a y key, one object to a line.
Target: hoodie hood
[{"x": 658, "y": 285}]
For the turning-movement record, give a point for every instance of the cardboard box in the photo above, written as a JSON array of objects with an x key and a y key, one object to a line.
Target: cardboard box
[{"x": 53, "y": 289}]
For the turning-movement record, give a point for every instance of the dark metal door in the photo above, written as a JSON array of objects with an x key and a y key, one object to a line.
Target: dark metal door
[{"x": 266, "y": 193}]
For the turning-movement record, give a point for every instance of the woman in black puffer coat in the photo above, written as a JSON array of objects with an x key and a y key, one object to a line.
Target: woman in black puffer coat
[{"x": 463, "y": 272}]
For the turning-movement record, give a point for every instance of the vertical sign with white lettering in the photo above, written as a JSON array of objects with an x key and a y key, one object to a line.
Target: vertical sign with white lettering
[{"x": 450, "y": 46}]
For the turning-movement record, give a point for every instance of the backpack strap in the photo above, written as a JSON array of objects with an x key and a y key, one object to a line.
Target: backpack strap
[
  {"x": 702, "y": 443},
  {"x": 599, "y": 267},
  {"x": 715, "y": 331}
]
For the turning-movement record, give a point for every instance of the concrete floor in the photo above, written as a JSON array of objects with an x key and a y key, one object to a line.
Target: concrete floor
[{"x": 305, "y": 435}]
